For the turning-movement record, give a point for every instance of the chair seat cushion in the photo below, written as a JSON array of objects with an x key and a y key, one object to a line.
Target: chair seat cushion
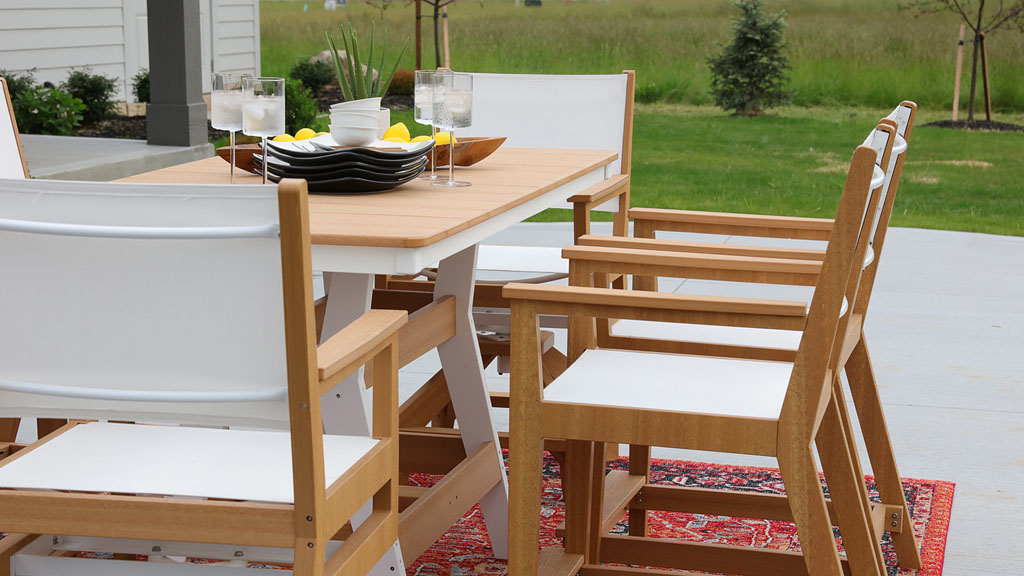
[
  {"x": 706, "y": 334},
  {"x": 500, "y": 258},
  {"x": 174, "y": 461},
  {"x": 646, "y": 380}
]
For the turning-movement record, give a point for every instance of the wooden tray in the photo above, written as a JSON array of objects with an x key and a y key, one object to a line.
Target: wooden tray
[
  {"x": 243, "y": 155},
  {"x": 469, "y": 150}
]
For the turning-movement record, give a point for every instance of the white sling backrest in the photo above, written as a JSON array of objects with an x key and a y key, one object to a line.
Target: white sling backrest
[
  {"x": 901, "y": 116},
  {"x": 11, "y": 163},
  {"x": 584, "y": 112},
  {"x": 123, "y": 301}
]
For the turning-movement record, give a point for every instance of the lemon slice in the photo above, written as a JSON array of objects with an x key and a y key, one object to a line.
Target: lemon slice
[
  {"x": 442, "y": 138},
  {"x": 420, "y": 139},
  {"x": 305, "y": 134},
  {"x": 394, "y": 139},
  {"x": 284, "y": 138},
  {"x": 399, "y": 131}
]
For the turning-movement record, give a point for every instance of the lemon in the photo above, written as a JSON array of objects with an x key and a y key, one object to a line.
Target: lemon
[
  {"x": 399, "y": 131},
  {"x": 284, "y": 138},
  {"x": 442, "y": 138},
  {"x": 394, "y": 139},
  {"x": 321, "y": 133},
  {"x": 420, "y": 139},
  {"x": 305, "y": 134}
]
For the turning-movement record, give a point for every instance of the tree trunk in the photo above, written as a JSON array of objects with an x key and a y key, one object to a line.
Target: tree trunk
[
  {"x": 974, "y": 64},
  {"x": 437, "y": 37}
]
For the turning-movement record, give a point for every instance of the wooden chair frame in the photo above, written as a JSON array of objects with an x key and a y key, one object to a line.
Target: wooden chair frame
[
  {"x": 319, "y": 511},
  {"x": 809, "y": 415},
  {"x": 14, "y": 124},
  {"x": 801, "y": 268}
]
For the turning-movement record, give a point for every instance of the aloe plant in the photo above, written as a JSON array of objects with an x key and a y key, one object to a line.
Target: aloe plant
[{"x": 354, "y": 84}]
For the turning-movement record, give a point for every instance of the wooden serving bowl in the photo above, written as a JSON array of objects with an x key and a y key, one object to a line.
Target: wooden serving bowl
[
  {"x": 243, "y": 155},
  {"x": 469, "y": 150}
]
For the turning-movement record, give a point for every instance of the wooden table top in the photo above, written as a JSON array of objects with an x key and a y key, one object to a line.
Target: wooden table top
[{"x": 417, "y": 214}]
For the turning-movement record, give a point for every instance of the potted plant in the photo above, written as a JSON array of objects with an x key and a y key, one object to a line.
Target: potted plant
[{"x": 360, "y": 81}]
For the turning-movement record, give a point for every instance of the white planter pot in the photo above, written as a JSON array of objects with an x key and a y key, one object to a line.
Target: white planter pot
[{"x": 385, "y": 122}]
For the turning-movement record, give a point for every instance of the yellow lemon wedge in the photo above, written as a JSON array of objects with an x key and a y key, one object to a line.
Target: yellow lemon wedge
[
  {"x": 420, "y": 139},
  {"x": 394, "y": 139},
  {"x": 321, "y": 133},
  {"x": 443, "y": 138},
  {"x": 284, "y": 138},
  {"x": 305, "y": 134},
  {"x": 399, "y": 131}
]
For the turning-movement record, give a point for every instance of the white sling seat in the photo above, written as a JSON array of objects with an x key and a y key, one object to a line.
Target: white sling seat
[{"x": 175, "y": 461}]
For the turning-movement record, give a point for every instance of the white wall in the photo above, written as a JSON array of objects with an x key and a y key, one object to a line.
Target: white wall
[{"x": 110, "y": 36}]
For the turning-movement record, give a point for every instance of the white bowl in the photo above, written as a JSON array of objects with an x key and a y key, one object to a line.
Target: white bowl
[
  {"x": 357, "y": 121},
  {"x": 366, "y": 104},
  {"x": 353, "y": 135}
]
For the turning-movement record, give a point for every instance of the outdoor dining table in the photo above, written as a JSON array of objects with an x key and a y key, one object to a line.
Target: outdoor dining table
[{"x": 402, "y": 231}]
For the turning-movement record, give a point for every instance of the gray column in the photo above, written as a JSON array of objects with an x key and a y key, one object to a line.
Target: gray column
[{"x": 176, "y": 114}]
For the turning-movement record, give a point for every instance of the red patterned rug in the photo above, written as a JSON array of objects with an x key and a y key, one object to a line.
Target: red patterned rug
[{"x": 465, "y": 548}]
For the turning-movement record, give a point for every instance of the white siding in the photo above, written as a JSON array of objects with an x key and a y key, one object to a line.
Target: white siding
[{"x": 109, "y": 36}]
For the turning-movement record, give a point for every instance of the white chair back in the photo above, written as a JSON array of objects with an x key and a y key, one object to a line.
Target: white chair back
[
  {"x": 551, "y": 111},
  {"x": 123, "y": 301},
  {"x": 12, "y": 164}
]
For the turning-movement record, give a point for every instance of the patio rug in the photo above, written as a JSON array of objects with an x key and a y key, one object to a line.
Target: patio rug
[{"x": 465, "y": 549}]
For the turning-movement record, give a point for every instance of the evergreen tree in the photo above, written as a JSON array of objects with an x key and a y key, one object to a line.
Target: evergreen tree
[{"x": 749, "y": 75}]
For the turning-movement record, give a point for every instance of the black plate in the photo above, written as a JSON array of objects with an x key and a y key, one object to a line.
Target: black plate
[
  {"x": 352, "y": 185},
  {"x": 342, "y": 169},
  {"x": 363, "y": 154}
]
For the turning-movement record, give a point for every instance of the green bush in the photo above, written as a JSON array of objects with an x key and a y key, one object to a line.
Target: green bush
[
  {"x": 313, "y": 75},
  {"x": 299, "y": 107},
  {"x": 41, "y": 110},
  {"x": 95, "y": 90},
  {"x": 18, "y": 84},
  {"x": 749, "y": 75},
  {"x": 140, "y": 85}
]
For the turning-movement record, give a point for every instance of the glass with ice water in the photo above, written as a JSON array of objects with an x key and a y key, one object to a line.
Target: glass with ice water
[
  {"x": 453, "y": 108},
  {"x": 423, "y": 104},
  {"x": 263, "y": 110},
  {"x": 226, "y": 109}
]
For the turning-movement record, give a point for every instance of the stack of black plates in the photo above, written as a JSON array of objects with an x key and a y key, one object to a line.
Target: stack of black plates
[{"x": 344, "y": 170}]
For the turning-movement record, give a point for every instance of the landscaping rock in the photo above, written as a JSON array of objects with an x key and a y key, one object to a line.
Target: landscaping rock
[{"x": 325, "y": 56}]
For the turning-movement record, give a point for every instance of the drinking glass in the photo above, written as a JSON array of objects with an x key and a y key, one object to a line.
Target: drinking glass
[
  {"x": 423, "y": 101},
  {"x": 263, "y": 110},
  {"x": 453, "y": 108},
  {"x": 226, "y": 113}
]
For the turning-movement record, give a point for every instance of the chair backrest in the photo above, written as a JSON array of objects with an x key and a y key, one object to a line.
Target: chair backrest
[
  {"x": 12, "y": 158},
  {"x": 142, "y": 302},
  {"x": 813, "y": 368},
  {"x": 591, "y": 112}
]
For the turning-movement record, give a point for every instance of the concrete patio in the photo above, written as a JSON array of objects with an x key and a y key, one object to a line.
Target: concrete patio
[
  {"x": 945, "y": 330},
  {"x": 101, "y": 159}
]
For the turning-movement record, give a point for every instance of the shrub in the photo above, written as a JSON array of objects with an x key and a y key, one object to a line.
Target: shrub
[
  {"x": 313, "y": 75},
  {"x": 299, "y": 107},
  {"x": 41, "y": 110},
  {"x": 17, "y": 83},
  {"x": 403, "y": 83},
  {"x": 140, "y": 86},
  {"x": 749, "y": 75},
  {"x": 96, "y": 91}
]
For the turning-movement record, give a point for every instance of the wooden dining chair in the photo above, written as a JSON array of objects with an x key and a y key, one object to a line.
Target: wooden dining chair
[
  {"x": 538, "y": 111},
  {"x": 12, "y": 157},
  {"x": 775, "y": 344},
  {"x": 780, "y": 409},
  {"x": 121, "y": 302}
]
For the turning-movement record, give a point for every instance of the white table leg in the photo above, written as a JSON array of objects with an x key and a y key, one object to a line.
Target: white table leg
[
  {"x": 464, "y": 371},
  {"x": 347, "y": 407}
]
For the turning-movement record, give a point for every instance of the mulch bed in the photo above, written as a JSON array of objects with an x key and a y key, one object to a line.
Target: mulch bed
[{"x": 979, "y": 125}]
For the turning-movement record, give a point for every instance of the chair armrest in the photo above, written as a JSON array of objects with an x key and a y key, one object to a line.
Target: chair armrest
[
  {"x": 602, "y": 192},
  {"x": 368, "y": 335},
  {"x": 613, "y": 303},
  {"x": 729, "y": 223},
  {"x": 716, "y": 248},
  {"x": 693, "y": 265}
]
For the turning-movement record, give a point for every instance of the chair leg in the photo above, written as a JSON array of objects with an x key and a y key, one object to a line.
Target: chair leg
[
  {"x": 576, "y": 492},
  {"x": 308, "y": 561},
  {"x": 9, "y": 429},
  {"x": 864, "y": 391},
  {"x": 526, "y": 462},
  {"x": 639, "y": 463},
  {"x": 807, "y": 502},
  {"x": 849, "y": 496}
]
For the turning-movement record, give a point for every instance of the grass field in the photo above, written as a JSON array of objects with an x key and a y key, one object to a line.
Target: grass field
[{"x": 688, "y": 154}]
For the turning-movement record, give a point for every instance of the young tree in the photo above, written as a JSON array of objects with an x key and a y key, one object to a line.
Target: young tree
[
  {"x": 749, "y": 75},
  {"x": 1010, "y": 14},
  {"x": 438, "y": 5}
]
